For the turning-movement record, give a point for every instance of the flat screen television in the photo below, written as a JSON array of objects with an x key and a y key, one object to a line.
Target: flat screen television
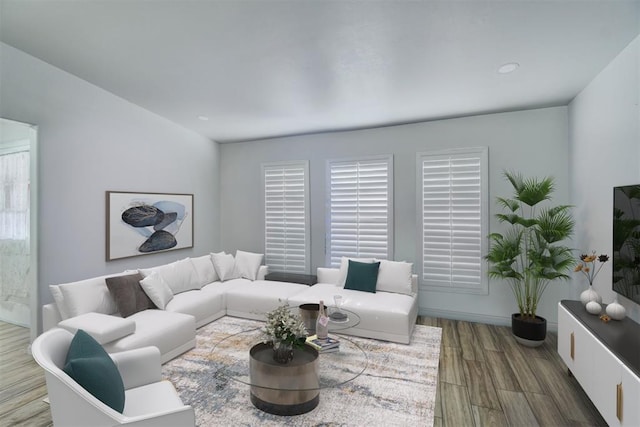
[{"x": 626, "y": 241}]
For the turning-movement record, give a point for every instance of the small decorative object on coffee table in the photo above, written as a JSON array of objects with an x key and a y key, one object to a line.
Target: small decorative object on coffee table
[
  {"x": 285, "y": 330},
  {"x": 322, "y": 324},
  {"x": 309, "y": 314},
  {"x": 338, "y": 315}
]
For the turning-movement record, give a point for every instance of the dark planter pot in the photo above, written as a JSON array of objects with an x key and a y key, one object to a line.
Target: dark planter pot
[{"x": 530, "y": 333}]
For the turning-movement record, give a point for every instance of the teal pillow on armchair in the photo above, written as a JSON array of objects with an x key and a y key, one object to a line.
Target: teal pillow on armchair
[
  {"x": 362, "y": 276},
  {"x": 90, "y": 366}
]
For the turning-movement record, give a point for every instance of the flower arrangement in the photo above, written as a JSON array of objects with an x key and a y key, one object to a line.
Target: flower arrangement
[
  {"x": 587, "y": 265},
  {"x": 285, "y": 328}
]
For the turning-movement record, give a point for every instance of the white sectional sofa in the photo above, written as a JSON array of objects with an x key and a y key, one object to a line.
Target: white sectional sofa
[{"x": 191, "y": 294}]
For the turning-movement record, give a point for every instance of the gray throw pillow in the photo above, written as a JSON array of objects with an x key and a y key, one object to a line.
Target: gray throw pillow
[{"x": 129, "y": 296}]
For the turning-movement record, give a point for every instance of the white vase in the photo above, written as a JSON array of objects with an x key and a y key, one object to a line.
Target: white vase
[
  {"x": 616, "y": 310},
  {"x": 590, "y": 295},
  {"x": 594, "y": 307}
]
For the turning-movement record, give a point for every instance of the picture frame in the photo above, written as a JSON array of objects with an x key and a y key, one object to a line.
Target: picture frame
[{"x": 147, "y": 223}]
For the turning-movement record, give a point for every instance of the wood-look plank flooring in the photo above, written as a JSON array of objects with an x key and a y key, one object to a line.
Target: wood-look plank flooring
[
  {"x": 22, "y": 384},
  {"x": 485, "y": 379}
]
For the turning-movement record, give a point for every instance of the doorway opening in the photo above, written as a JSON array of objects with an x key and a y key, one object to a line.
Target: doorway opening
[{"x": 18, "y": 224}]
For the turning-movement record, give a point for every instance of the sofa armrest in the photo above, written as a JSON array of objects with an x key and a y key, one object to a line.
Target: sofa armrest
[
  {"x": 328, "y": 275},
  {"x": 262, "y": 271},
  {"x": 183, "y": 416},
  {"x": 139, "y": 366},
  {"x": 50, "y": 316},
  {"x": 414, "y": 283}
]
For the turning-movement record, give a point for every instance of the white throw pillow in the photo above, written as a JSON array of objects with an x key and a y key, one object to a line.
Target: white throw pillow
[
  {"x": 204, "y": 267},
  {"x": 157, "y": 289},
  {"x": 224, "y": 265},
  {"x": 90, "y": 295},
  {"x": 181, "y": 276},
  {"x": 248, "y": 264},
  {"x": 394, "y": 276},
  {"x": 344, "y": 268},
  {"x": 59, "y": 299}
]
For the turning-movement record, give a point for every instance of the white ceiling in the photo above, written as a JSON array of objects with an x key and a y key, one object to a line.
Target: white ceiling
[{"x": 268, "y": 68}]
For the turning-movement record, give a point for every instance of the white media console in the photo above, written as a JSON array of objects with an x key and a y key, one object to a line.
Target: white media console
[{"x": 605, "y": 359}]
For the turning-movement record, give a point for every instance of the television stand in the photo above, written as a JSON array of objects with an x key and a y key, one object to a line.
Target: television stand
[{"x": 604, "y": 358}]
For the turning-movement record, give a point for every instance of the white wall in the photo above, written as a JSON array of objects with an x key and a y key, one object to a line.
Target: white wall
[
  {"x": 604, "y": 143},
  {"x": 532, "y": 142},
  {"x": 91, "y": 141}
]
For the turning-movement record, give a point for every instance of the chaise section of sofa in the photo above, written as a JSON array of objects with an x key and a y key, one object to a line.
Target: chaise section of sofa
[
  {"x": 172, "y": 333},
  {"x": 388, "y": 316}
]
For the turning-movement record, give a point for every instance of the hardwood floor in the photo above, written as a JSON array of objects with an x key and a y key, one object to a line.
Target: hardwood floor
[
  {"x": 22, "y": 384},
  {"x": 485, "y": 379}
]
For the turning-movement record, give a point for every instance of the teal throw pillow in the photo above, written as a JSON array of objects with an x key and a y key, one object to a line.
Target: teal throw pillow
[
  {"x": 362, "y": 276},
  {"x": 90, "y": 366}
]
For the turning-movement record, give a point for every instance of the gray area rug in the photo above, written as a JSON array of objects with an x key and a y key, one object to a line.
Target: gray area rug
[{"x": 397, "y": 388}]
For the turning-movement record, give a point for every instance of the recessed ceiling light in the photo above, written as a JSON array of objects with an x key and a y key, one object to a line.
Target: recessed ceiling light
[
  {"x": 509, "y": 67},
  {"x": 203, "y": 118}
]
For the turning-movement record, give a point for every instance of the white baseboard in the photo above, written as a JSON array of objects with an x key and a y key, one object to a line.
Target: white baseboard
[{"x": 474, "y": 317}]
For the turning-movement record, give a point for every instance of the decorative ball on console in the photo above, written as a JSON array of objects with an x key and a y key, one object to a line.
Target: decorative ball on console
[
  {"x": 615, "y": 310},
  {"x": 593, "y": 307}
]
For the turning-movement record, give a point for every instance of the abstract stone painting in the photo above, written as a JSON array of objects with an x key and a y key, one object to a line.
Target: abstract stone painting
[{"x": 144, "y": 223}]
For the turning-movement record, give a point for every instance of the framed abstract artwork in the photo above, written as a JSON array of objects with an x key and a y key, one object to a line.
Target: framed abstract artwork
[{"x": 147, "y": 223}]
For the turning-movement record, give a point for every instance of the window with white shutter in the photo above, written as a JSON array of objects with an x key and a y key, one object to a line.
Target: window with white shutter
[
  {"x": 360, "y": 209},
  {"x": 452, "y": 208},
  {"x": 286, "y": 213}
]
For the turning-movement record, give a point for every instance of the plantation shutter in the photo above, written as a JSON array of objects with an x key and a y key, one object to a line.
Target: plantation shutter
[
  {"x": 286, "y": 213},
  {"x": 454, "y": 219},
  {"x": 360, "y": 209}
]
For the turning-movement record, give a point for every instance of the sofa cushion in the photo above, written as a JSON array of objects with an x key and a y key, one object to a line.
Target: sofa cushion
[
  {"x": 204, "y": 267},
  {"x": 394, "y": 276},
  {"x": 103, "y": 328},
  {"x": 247, "y": 264},
  {"x": 157, "y": 289},
  {"x": 59, "y": 299},
  {"x": 91, "y": 367},
  {"x": 163, "y": 329},
  {"x": 90, "y": 295},
  {"x": 199, "y": 304},
  {"x": 225, "y": 266},
  {"x": 362, "y": 276},
  {"x": 129, "y": 296},
  {"x": 344, "y": 268},
  {"x": 181, "y": 276}
]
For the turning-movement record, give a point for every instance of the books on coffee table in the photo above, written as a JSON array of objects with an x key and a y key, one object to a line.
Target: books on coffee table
[{"x": 328, "y": 345}]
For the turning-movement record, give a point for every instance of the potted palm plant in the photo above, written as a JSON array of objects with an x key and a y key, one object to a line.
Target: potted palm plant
[{"x": 530, "y": 254}]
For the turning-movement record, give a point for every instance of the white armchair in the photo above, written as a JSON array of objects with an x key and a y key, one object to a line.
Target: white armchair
[{"x": 149, "y": 401}]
